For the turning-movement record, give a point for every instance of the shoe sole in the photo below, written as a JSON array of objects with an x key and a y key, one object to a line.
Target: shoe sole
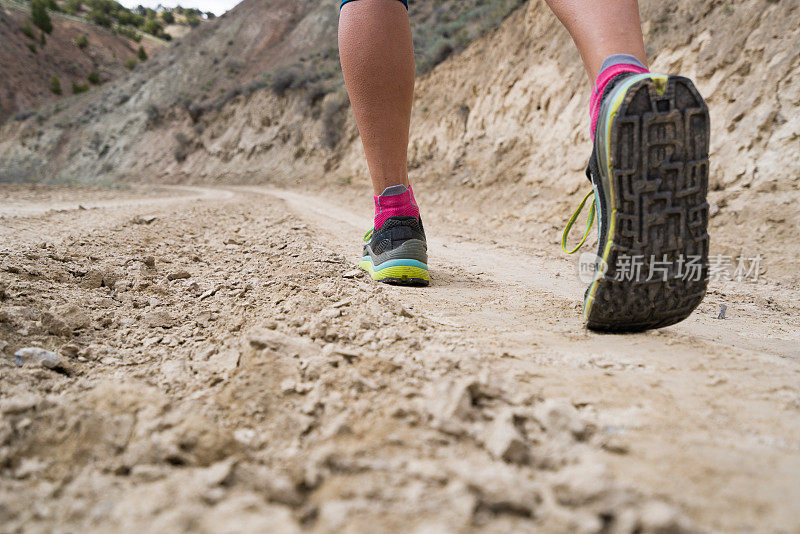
[
  {"x": 398, "y": 272},
  {"x": 656, "y": 143}
]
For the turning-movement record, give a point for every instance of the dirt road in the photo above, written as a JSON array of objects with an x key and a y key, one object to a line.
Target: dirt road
[{"x": 223, "y": 367}]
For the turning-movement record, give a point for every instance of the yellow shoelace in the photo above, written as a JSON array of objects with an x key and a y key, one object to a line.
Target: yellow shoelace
[
  {"x": 571, "y": 223},
  {"x": 368, "y": 235}
]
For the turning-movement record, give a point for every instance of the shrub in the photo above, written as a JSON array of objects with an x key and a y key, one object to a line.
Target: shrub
[
  {"x": 39, "y": 15},
  {"x": 99, "y": 17},
  {"x": 184, "y": 147},
  {"x": 125, "y": 17},
  {"x": 141, "y": 54},
  {"x": 441, "y": 51},
  {"x": 153, "y": 115},
  {"x": 73, "y": 6},
  {"x": 166, "y": 36},
  {"x": 43, "y": 40},
  {"x": 168, "y": 17},
  {"x": 333, "y": 118},
  {"x": 210, "y": 15},
  {"x": 288, "y": 78},
  {"x": 32, "y": 47},
  {"x": 93, "y": 78},
  {"x": 192, "y": 20},
  {"x": 55, "y": 85},
  {"x": 131, "y": 63},
  {"x": 82, "y": 41},
  {"x": 27, "y": 30},
  {"x": 152, "y": 26},
  {"x": 22, "y": 114},
  {"x": 79, "y": 88},
  {"x": 130, "y": 33}
]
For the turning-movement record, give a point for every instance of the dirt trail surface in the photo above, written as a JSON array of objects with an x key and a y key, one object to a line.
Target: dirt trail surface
[{"x": 221, "y": 366}]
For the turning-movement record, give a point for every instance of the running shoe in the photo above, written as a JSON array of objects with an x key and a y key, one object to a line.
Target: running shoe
[
  {"x": 397, "y": 253},
  {"x": 649, "y": 174}
]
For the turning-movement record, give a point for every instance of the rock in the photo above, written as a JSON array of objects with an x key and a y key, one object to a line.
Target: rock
[
  {"x": 266, "y": 339},
  {"x": 159, "y": 318},
  {"x": 224, "y": 361},
  {"x": 70, "y": 350},
  {"x": 217, "y": 474},
  {"x": 29, "y": 467},
  {"x": 354, "y": 273},
  {"x": 658, "y": 517},
  {"x": 178, "y": 275},
  {"x": 399, "y": 309},
  {"x": 581, "y": 483},
  {"x": 451, "y": 400},
  {"x": 210, "y": 292},
  {"x": 121, "y": 285},
  {"x": 20, "y": 404},
  {"x": 110, "y": 277},
  {"x": 275, "y": 486},
  {"x": 55, "y": 325},
  {"x": 93, "y": 279},
  {"x": 149, "y": 262},
  {"x": 35, "y": 356},
  {"x": 143, "y": 219},
  {"x": 504, "y": 440},
  {"x": 559, "y": 416}
]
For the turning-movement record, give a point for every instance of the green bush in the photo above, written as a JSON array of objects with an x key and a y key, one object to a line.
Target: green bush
[
  {"x": 131, "y": 63},
  {"x": 152, "y": 26},
  {"x": 39, "y": 15},
  {"x": 99, "y": 17},
  {"x": 82, "y": 41},
  {"x": 73, "y": 7},
  {"x": 192, "y": 20},
  {"x": 93, "y": 78},
  {"x": 78, "y": 88},
  {"x": 130, "y": 33},
  {"x": 210, "y": 15},
  {"x": 43, "y": 40},
  {"x": 27, "y": 30},
  {"x": 55, "y": 85},
  {"x": 126, "y": 17},
  {"x": 141, "y": 54},
  {"x": 32, "y": 47},
  {"x": 168, "y": 17}
]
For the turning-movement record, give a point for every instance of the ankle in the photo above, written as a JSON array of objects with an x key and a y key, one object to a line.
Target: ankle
[
  {"x": 395, "y": 201},
  {"x": 612, "y": 67}
]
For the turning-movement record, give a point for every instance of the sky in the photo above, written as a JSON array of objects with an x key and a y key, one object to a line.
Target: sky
[{"x": 218, "y": 7}]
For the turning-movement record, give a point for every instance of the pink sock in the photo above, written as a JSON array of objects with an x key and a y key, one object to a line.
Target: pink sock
[
  {"x": 396, "y": 201},
  {"x": 600, "y": 86}
]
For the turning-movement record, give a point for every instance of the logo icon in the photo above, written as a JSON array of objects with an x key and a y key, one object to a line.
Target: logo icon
[{"x": 588, "y": 266}]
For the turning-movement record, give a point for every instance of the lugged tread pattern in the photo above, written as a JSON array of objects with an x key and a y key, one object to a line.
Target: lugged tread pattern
[{"x": 659, "y": 155}]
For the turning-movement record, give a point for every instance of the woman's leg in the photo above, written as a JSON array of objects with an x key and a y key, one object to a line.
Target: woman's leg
[
  {"x": 649, "y": 172},
  {"x": 601, "y": 28},
  {"x": 377, "y": 57},
  {"x": 378, "y": 65}
]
